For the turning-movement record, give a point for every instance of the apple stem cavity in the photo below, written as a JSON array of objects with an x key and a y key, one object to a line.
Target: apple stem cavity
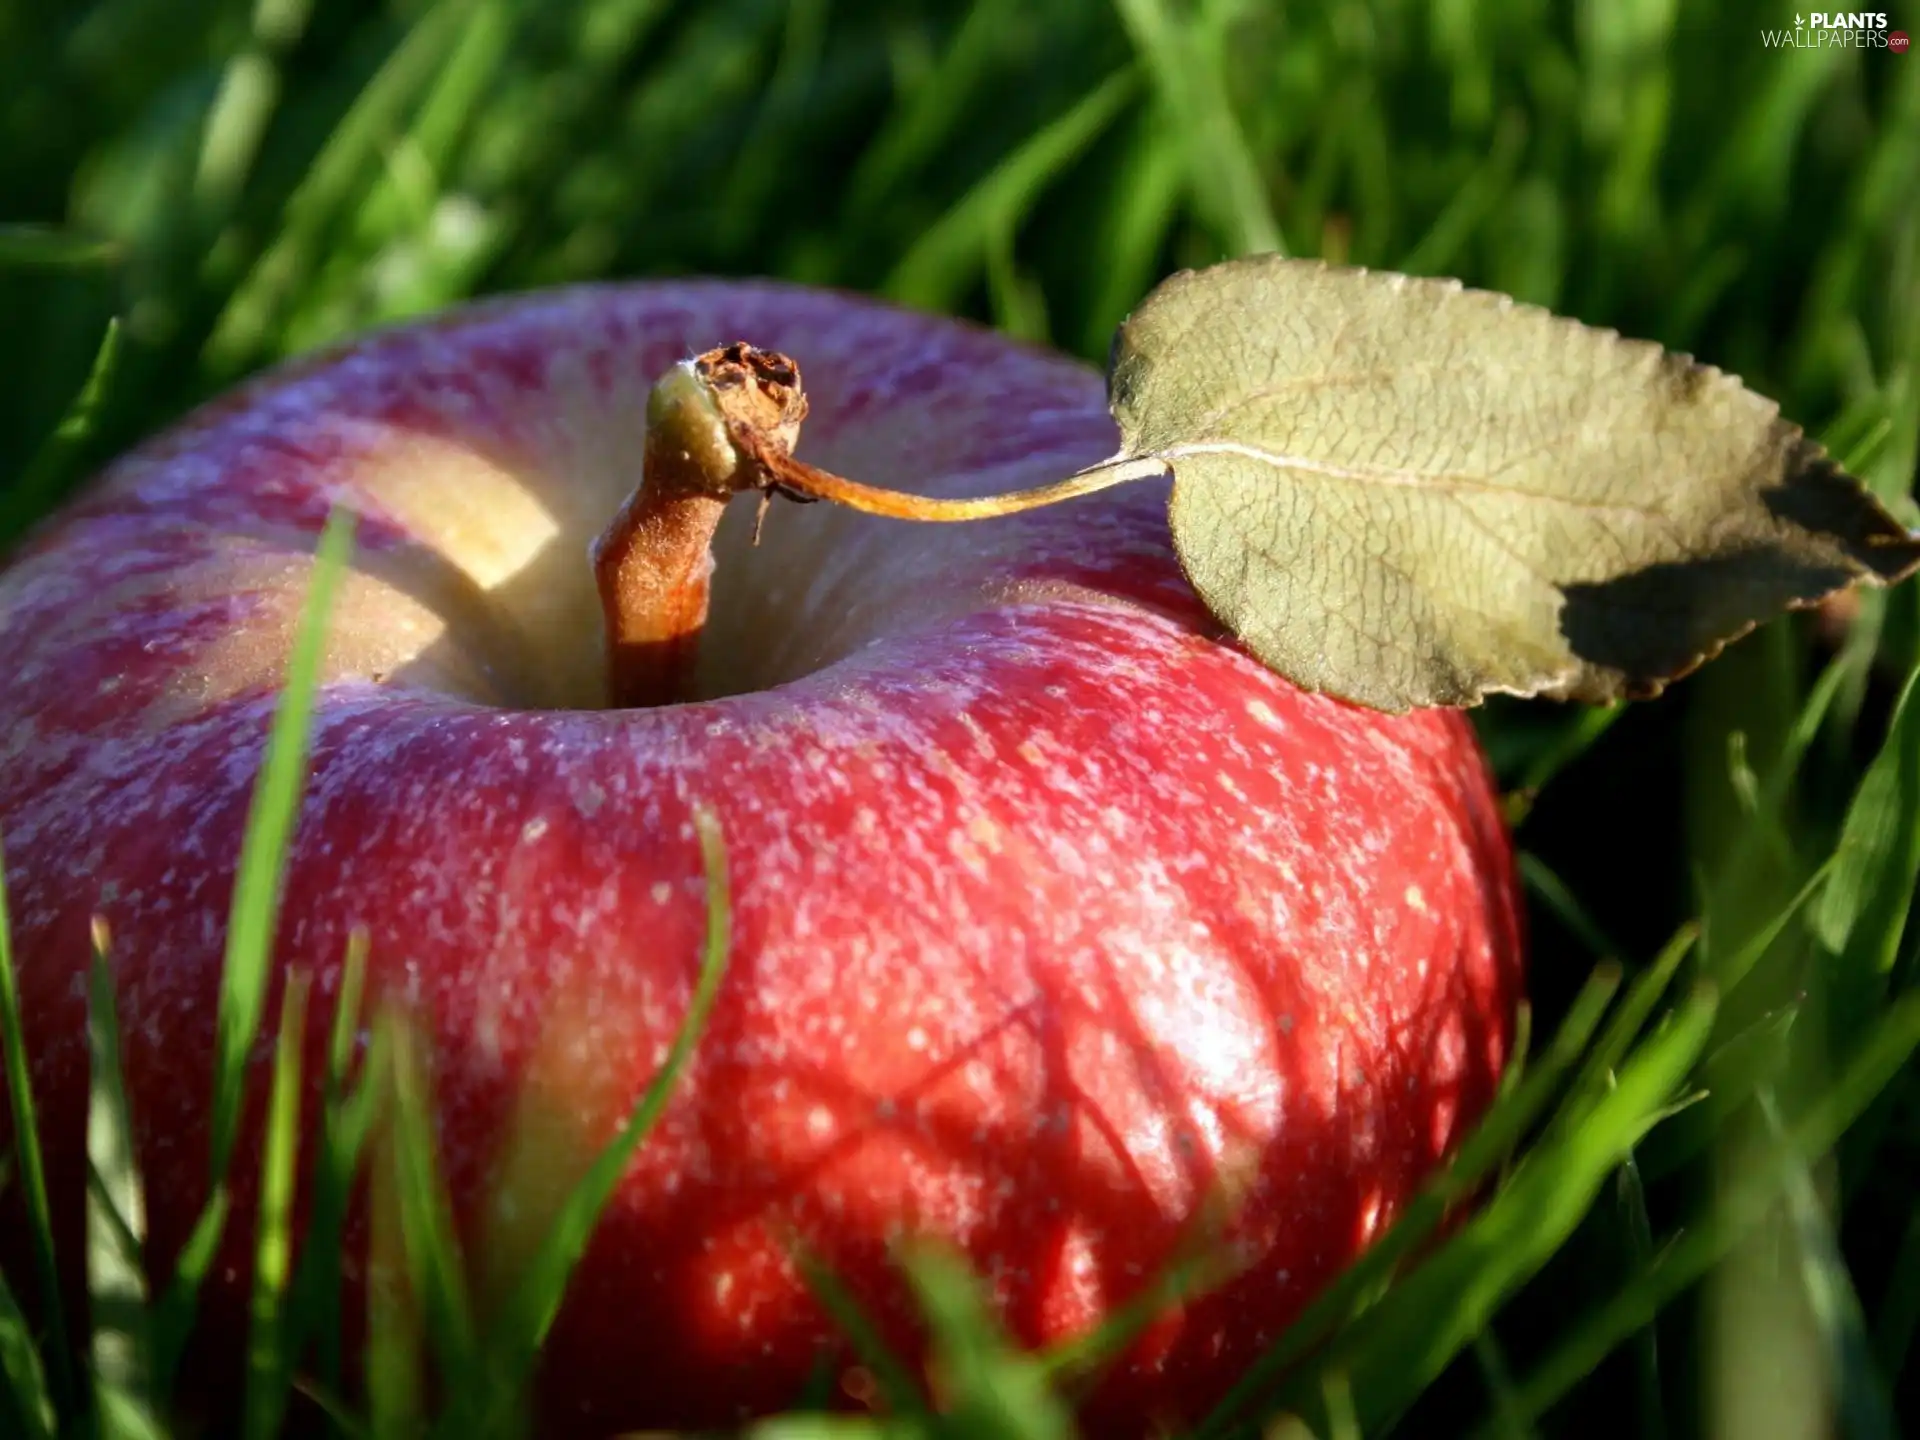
[{"x": 718, "y": 425}]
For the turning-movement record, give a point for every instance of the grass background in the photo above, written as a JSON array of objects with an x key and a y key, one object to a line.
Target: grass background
[{"x": 1704, "y": 1213}]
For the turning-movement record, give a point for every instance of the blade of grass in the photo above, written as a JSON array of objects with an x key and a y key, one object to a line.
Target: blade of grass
[
  {"x": 330, "y": 1404},
  {"x": 1732, "y": 1071},
  {"x": 1577, "y": 736},
  {"x": 937, "y": 272},
  {"x": 346, "y": 1113},
  {"x": 26, "y": 1146},
  {"x": 1864, "y": 1404},
  {"x": 1631, "y": 1192},
  {"x": 1702, "y": 1246},
  {"x": 514, "y": 1342},
  {"x": 33, "y": 492},
  {"x": 436, "y": 1273},
  {"x": 1863, "y": 910},
  {"x": 27, "y": 1397},
  {"x": 895, "y": 1380},
  {"x": 935, "y": 109},
  {"x": 1555, "y": 895},
  {"x": 1729, "y": 972},
  {"x": 987, "y": 1386},
  {"x": 835, "y": 1427},
  {"x": 1195, "y": 1269},
  {"x": 1635, "y": 1009},
  {"x": 392, "y": 1360},
  {"x": 263, "y": 852},
  {"x": 346, "y": 166},
  {"x": 1495, "y": 1373},
  {"x": 265, "y": 1399},
  {"x": 1899, "y": 1316},
  {"x": 37, "y": 247},
  {"x": 1423, "y": 1322},
  {"x": 249, "y": 950},
  {"x": 251, "y": 87},
  {"x": 1124, "y": 254},
  {"x": 122, "y": 1356},
  {"x": 1221, "y": 169},
  {"x": 1438, "y": 252}
]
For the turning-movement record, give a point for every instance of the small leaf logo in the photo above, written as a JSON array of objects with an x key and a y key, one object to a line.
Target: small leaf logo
[{"x": 1799, "y": 20}]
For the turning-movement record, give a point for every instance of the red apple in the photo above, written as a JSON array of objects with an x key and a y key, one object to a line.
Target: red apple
[{"x": 1053, "y": 910}]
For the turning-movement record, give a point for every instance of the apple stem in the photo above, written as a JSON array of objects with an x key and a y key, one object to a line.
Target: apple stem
[
  {"x": 653, "y": 567},
  {"x": 654, "y": 562},
  {"x": 716, "y": 426},
  {"x": 806, "y": 481}
]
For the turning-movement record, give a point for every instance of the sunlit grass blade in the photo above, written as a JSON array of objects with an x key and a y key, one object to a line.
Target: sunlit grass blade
[
  {"x": 953, "y": 252},
  {"x": 26, "y": 1398},
  {"x": 29, "y": 494},
  {"x": 265, "y": 1399},
  {"x": 173, "y": 1313},
  {"x": 836, "y": 1427},
  {"x": 1124, "y": 253},
  {"x": 435, "y": 1270},
  {"x": 1864, "y": 1404},
  {"x": 1899, "y": 1314},
  {"x": 986, "y": 1385},
  {"x": 895, "y": 1380},
  {"x": 935, "y": 108},
  {"x": 1730, "y": 970},
  {"x": 346, "y": 1114},
  {"x": 1221, "y": 168},
  {"x": 1701, "y": 1246},
  {"x": 1733, "y": 1070},
  {"x": 346, "y": 166},
  {"x": 246, "y": 968},
  {"x": 331, "y": 1404},
  {"x": 394, "y": 1358},
  {"x": 1494, "y": 1371},
  {"x": 251, "y": 88},
  {"x": 1490, "y": 1142},
  {"x": 263, "y": 852},
  {"x": 30, "y": 1163},
  {"x": 122, "y": 1354},
  {"x": 1400, "y": 1345},
  {"x": 1575, "y": 737},
  {"x": 1636, "y": 1007},
  {"x": 1437, "y": 253},
  {"x": 395, "y": 214},
  {"x": 514, "y": 1341},
  {"x": 37, "y": 247},
  {"x": 1862, "y": 912},
  {"x": 1553, "y": 892},
  {"x": 1631, "y": 1194}
]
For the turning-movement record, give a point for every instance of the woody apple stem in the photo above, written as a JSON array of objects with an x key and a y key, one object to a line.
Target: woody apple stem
[
  {"x": 716, "y": 426},
  {"x": 654, "y": 562},
  {"x": 654, "y": 567}
]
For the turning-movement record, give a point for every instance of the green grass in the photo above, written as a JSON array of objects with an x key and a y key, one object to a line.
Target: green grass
[{"x": 1705, "y": 1177}]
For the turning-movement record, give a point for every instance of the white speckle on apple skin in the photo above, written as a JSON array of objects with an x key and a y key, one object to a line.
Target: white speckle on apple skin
[{"x": 1053, "y": 914}]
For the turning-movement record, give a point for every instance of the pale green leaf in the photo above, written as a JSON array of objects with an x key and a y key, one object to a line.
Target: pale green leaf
[{"x": 1406, "y": 493}]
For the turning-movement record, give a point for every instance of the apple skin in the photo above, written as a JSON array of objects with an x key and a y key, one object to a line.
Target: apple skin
[{"x": 1055, "y": 914}]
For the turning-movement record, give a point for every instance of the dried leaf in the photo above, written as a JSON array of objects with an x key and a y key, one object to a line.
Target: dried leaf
[{"x": 1406, "y": 493}]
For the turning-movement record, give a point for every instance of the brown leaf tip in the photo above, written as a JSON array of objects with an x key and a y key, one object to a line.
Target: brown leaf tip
[
  {"x": 1825, "y": 498},
  {"x": 757, "y": 392}
]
